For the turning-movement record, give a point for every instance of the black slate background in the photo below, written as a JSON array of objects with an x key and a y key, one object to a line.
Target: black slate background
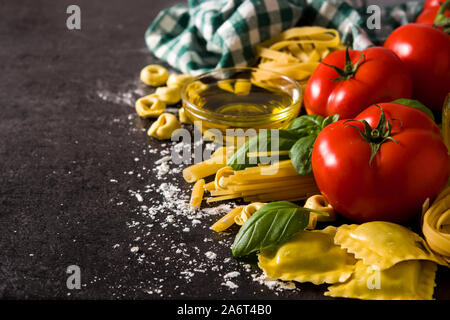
[{"x": 61, "y": 143}]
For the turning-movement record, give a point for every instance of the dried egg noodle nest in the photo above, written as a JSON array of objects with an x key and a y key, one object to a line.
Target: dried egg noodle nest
[
  {"x": 436, "y": 225},
  {"x": 383, "y": 244},
  {"x": 296, "y": 52},
  {"x": 407, "y": 280},
  {"x": 309, "y": 256}
]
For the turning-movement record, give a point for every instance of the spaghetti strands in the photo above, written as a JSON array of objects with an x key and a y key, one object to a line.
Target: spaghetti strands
[
  {"x": 436, "y": 225},
  {"x": 296, "y": 52},
  {"x": 274, "y": 182}
]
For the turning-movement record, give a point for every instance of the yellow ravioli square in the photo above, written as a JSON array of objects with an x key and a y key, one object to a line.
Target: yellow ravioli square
[
  {"x": 383, "y": 244},
  {"x": 407, "y": 280},
  {"x": 309, "y": 256}
]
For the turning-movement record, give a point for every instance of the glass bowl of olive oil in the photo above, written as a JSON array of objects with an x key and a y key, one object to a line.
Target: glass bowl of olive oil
[{"x": 241, "y": 98}]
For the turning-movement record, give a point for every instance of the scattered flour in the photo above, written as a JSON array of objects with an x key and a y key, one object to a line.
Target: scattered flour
[
  {"x": 274, "y": 284},
  {"x": 167, "y": 236},
  {"x": 210, "y": 255}
]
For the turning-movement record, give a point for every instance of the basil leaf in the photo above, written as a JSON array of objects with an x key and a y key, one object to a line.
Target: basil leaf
[
  {"x": 261, "y": 142},
  {"x": 415, "y": 104},
  {"x": 329, "y": 120},
  {"x": 300, "y": 155},
  {"x": 306, "y": 125},
  {"x": 272, "y": 225}
]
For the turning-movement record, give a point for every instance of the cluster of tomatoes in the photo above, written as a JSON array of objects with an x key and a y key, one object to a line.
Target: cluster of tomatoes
[{"x": 383, "y": 159}]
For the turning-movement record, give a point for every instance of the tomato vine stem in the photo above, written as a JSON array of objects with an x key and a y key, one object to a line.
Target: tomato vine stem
[
  {"x": 349, "y": 68},
  {"x": 377, "y": 136},
  {"x": 441, "y": 19}
]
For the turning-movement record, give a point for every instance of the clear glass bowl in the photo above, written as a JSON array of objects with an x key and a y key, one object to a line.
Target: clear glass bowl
[{"x": 241, "y": 98}]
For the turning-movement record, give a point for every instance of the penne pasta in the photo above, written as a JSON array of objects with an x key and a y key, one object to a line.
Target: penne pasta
[
  {"x": 197, "y": 194},
  {"x": 208, "y": 167},
  {"x": 227, "y": 220}
]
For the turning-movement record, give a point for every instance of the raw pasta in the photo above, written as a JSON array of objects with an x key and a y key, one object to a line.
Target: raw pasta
[
  {"x": 154, "y": 75},
  {"x": 194, "y": 92},
  {"x": 227, "y": 220},
  {"x": 197, "y": 194},
  {"x": 178, "y": 80},
  {"x": 164, "y": 126},
  {"x": 407, "y": 280},
  {"x": 242, "y": 87},
  {"x": 238, "y": 215},
  {"x": 274, "y": 182},
  {"x": 183, "y": 117},
  {"x": 383, "y": 244},
  {"x": 226, "y": 85},
  {"x": 318, "y": 202},
  {"x": 247, "y": 212},
  {"x": 208, "y": 167},
  {"x": 150, "y": 106},
  {"x": 170, "y": 95},
  {"x": 296, "y": 52},
  {"x": 436, "y": 225},
  {"x": 309, "y": 256}
]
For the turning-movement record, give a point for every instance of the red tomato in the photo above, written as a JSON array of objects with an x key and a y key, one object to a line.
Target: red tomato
[
  {"x": 430, "y": 9},
  {"x": 372, "y": 76},
  {"x": 425, "y": 51},
  {"x": 402, "y": 174}
]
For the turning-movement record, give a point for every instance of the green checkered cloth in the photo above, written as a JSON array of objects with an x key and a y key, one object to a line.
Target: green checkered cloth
[{"x": 211, "y": 34}]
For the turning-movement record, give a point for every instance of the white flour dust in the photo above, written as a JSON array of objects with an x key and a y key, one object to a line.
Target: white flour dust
[{"x": 168, "y": 239}]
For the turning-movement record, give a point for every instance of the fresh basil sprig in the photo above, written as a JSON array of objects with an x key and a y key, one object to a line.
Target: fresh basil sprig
[
  {"x": 298, "y": 139},
  {"x": 272, "y": 225},
  {"x": 308, "y": 127},
  {"x": 262, "y": 142}
]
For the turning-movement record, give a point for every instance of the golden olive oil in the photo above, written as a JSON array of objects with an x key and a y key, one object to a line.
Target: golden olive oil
[
  {"x": 240, "y": 104},
  {"x": 257, "y": 101}
]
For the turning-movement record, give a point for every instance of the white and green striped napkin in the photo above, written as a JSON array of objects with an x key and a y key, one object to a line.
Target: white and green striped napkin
[{"x": 210, "y": 34}]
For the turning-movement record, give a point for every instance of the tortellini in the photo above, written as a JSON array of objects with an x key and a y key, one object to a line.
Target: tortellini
[
  {"x": 150, "y": 106},
  {"x": 164, "y": 126},
  {"x": 318, "y": 202},
  {"x": 226, "y": 85},
  {"x": 242, "y": 87},
  {"x": 154, "y": 75},
  {"x": 194, "y": 92},
  {"x": 407, "y": 280},
  {"x": 178, "y": 80},
  {"x": 309, "y": 256},
  {"x": 383, "y": 244},
  {"x": 247, "y": 212},
  {"x": 170, "y": 95},
  {"x": 183, "y": 116}
]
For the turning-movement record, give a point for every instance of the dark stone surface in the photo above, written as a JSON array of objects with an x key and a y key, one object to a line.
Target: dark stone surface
[{"x": 67, "y": 129}]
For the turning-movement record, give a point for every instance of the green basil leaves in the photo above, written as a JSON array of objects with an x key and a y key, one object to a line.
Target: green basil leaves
[
  {"x": 272, "y": 225},
  {"x": 260, "y": 143},
  {"x": 298, "y": 139},
  {"x": 308, "y": 127},
  {"x": 415, "y": 104}
]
